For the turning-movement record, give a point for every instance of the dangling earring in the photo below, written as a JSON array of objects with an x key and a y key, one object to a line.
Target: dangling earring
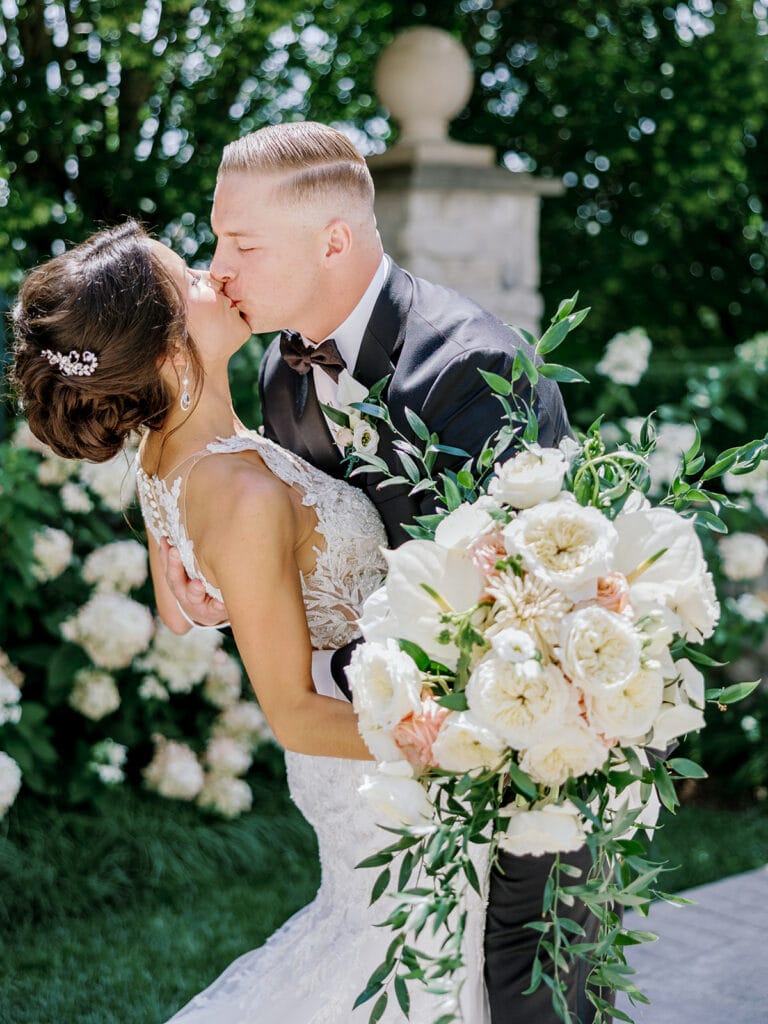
[{"x": 186, "y": 399}]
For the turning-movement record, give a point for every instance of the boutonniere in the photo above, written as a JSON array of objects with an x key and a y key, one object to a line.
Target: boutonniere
[{"x": 356, "y": 414}]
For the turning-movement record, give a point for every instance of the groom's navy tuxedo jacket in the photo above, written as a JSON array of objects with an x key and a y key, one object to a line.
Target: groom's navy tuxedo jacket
[{"x": 432, "y": 341}]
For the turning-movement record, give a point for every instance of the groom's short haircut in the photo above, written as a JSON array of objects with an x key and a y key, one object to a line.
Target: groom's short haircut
[{"x": 317, "y": 161}]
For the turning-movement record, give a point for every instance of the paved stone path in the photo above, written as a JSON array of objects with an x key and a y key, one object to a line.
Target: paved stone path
[{"x": 710, "y": 965}]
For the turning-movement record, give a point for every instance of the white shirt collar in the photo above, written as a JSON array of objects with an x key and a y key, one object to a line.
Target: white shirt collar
[{"x": 349, "y": 335}]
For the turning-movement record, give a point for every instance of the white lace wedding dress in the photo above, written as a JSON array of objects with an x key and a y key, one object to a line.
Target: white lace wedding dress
[{"x": 312, "y": 969}]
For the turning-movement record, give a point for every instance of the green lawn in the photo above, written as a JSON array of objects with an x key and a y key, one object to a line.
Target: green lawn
[{"x": 120, "y": 918}]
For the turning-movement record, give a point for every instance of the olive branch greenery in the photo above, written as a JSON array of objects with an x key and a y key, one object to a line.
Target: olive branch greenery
[{"x": 427, "y": 871}]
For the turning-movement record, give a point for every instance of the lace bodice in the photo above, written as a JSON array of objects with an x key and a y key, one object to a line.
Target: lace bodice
[{"x": 348, "y": 568}]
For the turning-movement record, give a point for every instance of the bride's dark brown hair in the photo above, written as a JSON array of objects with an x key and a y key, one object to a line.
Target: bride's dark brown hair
[{"x": 112, "y": 297}]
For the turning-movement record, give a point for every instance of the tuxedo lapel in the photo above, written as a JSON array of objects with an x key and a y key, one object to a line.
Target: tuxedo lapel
[{"x": 385, "y": 332}]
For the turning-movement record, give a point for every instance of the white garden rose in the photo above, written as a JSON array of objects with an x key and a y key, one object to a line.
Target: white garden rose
[
  {"x": 743, "y": 556},
  {"x": 408, "y": 611},
  {"x": 626, "y": 357},
  {"x": 466, "y": 523},
  {"x": 599, "y": 650},
  {"x": 628, "y": 712},
  {"x": 574, "y": 751},
  {"x": 464, "y": 745},
  {"x": 565, "y": 545},
  {"x": 181, "y": 661},
  {"x": 225, "y": 755},
  {"x": 114, "y": 481},
  {"x": 513, "y": 645},
  {"x": 174, "y": 771},
  {"x": 395, "y": 797},
  {"x": 52, "y": 553},
  {"x": 111, "y": 628},
  {"x": 530, "y": 478},
  {"x": 385, "y": 684},
  {"x": 225, "y": 795},
  {"x": 243, "y": 720},
  {"x": 554, "y": 828},
  {"x": 117, "y": 567},
  {"x": 10, "y": 781},
  {"x": 380, "y": 743},
  {"x": 521, "y": 701},
  {"x": 95, "y": 694},
  {"x": 223, "y": 683}
]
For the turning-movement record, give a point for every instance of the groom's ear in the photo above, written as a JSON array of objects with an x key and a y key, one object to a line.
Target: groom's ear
[{"x": 338, "y": 240}]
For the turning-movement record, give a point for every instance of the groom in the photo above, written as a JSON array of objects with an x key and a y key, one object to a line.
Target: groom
[{"x": 298, "y": 252}]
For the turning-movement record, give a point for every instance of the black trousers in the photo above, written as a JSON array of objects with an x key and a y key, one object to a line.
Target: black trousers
[{"x": 516, "y": 891}]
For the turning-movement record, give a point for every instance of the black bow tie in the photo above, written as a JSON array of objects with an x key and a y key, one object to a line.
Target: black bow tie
[{"x": 301, "y": 357}]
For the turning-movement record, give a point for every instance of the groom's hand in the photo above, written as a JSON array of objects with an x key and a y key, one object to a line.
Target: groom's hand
[{"x": 199, "y": 607}]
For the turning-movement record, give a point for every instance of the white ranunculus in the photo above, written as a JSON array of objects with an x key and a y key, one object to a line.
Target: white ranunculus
[
  {"x": 530, "y": 478},
  {"x": 243, "y": 720},
  {"x": 626, "y": 357},
  {"x": 564, "y": 544},
  {"x": 521, "y": 701},
  {"x": 674, "y": 721},
  {"x": 75, "y": 499},
  {"x": 408, "y": 612},
  {"x": 111, "y": 628},
  {"x": 678, "y": 578},
  {"x": 464, "y": 745},
  {"x": 117, "y": 567},
  {"x": 181, "y": 661},
  {"x": 743, "y": 556},
  {"x": 513, "y": 645},
  {"x": 349, "y": 390},
  {"x": 225, "y": 795},
  {"x": 52, "y": 553},
  {"x": 574, "y": 751},
  {"x": 396, "y": 800},
  {"x": 113, "y": 481},
  {"x": 554, "y": 828},
  {"x": 600, "y": 650},
  {"x": 223, "y": 683},
  {"x": 10, "y": 781},
  {"x": 385, "y": 684},
  {"x": 225, "y": 755},
  {"x": 174, "y": 771},
  {"x": 466, "y": 524},
  {"x": 365, "y": 438},
  {"x": 626, "y": 713},
  {"x": 95, "y": 694}
]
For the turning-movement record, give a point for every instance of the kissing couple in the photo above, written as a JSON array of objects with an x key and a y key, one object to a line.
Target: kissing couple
[{"x": 262, "y": 530}]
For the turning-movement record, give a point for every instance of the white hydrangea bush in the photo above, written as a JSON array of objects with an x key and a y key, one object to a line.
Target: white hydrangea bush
[{"x": 95, "y": 692}]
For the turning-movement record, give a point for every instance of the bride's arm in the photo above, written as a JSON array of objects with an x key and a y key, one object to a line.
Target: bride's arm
[{"x": 252, "y": 561}]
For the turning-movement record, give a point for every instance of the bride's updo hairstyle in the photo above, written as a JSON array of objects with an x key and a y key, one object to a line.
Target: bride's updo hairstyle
[{"x": 92, "y": 327}]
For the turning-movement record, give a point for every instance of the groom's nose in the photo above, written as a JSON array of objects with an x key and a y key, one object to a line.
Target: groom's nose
[{"x": 220, "y": 271}]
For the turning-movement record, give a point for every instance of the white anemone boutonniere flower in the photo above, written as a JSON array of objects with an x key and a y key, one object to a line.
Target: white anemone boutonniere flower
[{"x": 355, "y": 414}]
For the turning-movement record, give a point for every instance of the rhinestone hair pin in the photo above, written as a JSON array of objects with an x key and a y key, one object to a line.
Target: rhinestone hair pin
[{"x": 76, "y": 364}]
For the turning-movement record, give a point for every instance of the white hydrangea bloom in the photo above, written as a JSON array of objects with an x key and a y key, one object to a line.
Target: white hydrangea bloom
[
  {"x": 626, "y": 357},
  {"x": 52, "y": 552},
  {"x": 225, "y": 795},
  {"x": 755, "y": 353},
  {"x": 75, "y": 498},
  {"x": 23, "y": 437},
  {"x": 11, "y": 680},
  {"x": 113, "y": 481},
  {"x": 223, "y": 683},
  {"x": 750, "y": 607},
  {"x": 243, "y": 720},
  {"x": 107, "y": 760},
  {"x": 743, "y": 556},
  {"x": 10, "y": 781},
  {"x": 181, "y": 661},
  {"x": 117, "y": 567},
  {"x": 226, "y": 755},
  {"x": 95, "y": 694},
  {"x": 152, "y": 689},
  {"x": 111, "y": 628},
  {"x": 53, "y": 471},
  {"x": 174, "y": 771}
]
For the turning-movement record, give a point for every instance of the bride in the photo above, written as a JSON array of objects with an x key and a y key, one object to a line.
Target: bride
[{"x": 118, "y": 335}]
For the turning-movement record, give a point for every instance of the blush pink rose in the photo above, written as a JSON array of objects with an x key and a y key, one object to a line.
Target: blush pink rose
[
  {"x": 416, "y": 733},
  {"x": 613, "y": 592},
  {"x": 486, "y": 552}
]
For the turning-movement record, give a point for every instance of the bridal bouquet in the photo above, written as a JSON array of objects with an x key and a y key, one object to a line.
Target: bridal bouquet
[{"x": 526, "y": 667}]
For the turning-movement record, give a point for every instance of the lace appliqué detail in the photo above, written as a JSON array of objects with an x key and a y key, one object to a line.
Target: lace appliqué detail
[{"x": 349, "y": 567}]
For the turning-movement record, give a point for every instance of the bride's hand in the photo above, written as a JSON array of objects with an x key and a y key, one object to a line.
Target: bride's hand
[{"x": 190, "y": 595}]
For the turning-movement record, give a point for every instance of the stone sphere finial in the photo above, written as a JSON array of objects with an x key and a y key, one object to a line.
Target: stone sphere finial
[{"x": 425, "y": 78}]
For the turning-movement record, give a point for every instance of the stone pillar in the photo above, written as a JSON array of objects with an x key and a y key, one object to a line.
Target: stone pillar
[{"x": 445, "y": 211}]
